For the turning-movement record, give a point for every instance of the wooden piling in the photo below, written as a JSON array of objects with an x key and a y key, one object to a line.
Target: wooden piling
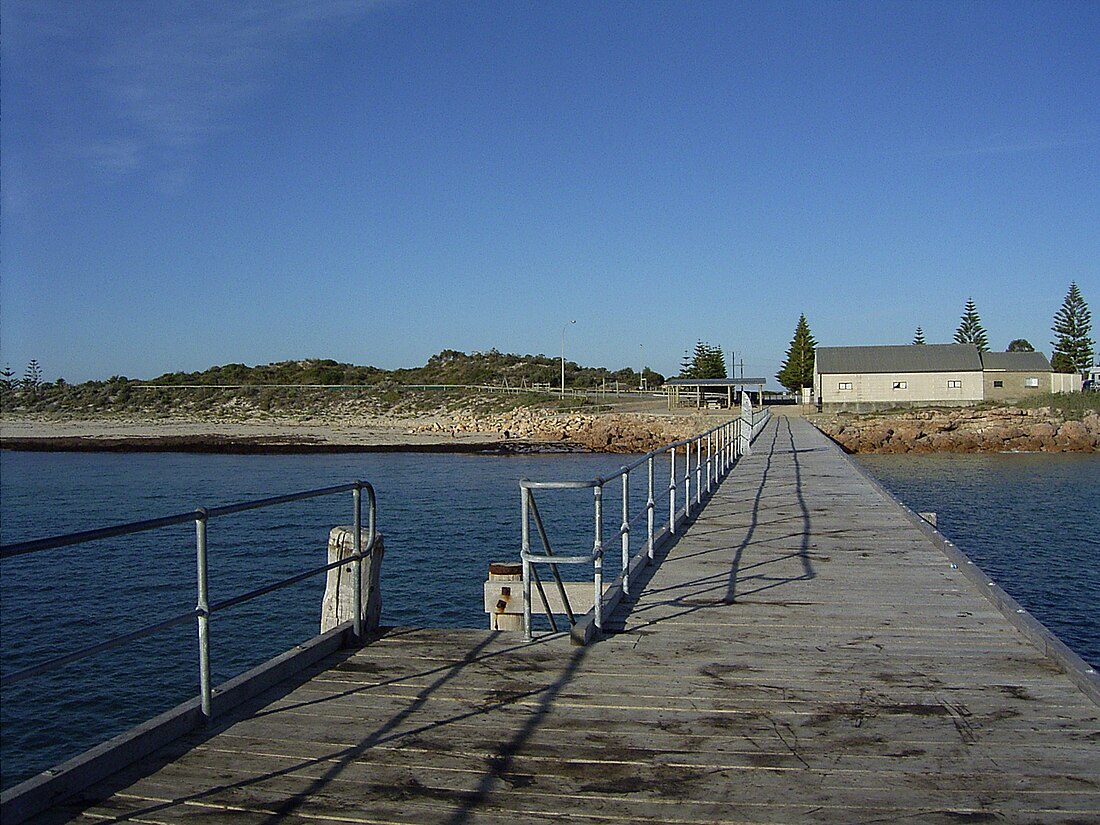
[{"x": 338, "y": 603}]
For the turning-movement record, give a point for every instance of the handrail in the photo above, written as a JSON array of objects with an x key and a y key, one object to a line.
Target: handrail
[
  {"x": 725, "y": 443},
  {"x": 203, "y": 609}
]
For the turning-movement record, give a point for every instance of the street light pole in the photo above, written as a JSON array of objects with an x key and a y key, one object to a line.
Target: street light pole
[
  {"x": 641, "y": 375},
  {"x": 563, "y": 329}
]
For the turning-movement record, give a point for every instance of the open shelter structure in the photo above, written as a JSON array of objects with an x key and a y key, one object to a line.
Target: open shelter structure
[{"x": 720, "y": 392}]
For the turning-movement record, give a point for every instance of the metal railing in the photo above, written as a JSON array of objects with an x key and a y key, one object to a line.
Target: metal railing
[
  {"x": 204, "y": 609},
  {"x": 715, "y": 452}
]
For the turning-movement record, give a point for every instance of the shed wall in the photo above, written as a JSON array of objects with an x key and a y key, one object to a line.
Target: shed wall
[
  {"x": 1014, "y": 385},
  {"x": 901, "y": 389}
]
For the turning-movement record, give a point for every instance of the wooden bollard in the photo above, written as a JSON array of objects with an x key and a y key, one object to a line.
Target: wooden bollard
[
  {"x": 500, "y": 572},
  {"x": 338, "y": 604}
]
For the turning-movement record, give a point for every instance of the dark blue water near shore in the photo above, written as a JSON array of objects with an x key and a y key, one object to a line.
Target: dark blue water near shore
[{"x": 1029, "y": 521}]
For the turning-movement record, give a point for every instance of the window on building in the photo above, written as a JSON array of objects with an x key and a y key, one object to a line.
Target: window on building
[
  {"x": 954, "y": 384},
  {"x": 1031, "y": 382},
  {"x": 998, "y": 384},
  {"x": 901, "y": 385},
  {"x": 844, "y": 385}
]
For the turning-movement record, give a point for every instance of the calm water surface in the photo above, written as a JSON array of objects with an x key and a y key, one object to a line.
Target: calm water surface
[
  {"x": 1031, "y": 522},
  {"x": 444, "y": 518}
]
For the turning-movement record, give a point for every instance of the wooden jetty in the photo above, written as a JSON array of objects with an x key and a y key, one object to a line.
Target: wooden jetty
[{"x": 804, "y": 652}]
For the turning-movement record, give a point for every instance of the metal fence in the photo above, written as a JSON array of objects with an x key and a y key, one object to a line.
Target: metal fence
[
  {"x": 204, "y": 609},
  {"x": 714, "y": 452}
]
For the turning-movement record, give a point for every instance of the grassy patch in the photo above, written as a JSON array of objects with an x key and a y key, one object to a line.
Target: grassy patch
[{"x": 1070, "y": 405}]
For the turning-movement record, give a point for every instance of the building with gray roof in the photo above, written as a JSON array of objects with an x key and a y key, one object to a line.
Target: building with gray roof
[{"x": 868, "y": 378}]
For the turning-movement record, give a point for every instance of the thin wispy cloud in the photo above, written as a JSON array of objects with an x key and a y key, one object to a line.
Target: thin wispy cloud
[
  {"x": 1016, "y": 143},
  {"x": 160, "y": 80}
]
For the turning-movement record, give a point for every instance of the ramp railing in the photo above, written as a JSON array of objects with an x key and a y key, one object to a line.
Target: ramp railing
[{"x": 706, "y": 458}]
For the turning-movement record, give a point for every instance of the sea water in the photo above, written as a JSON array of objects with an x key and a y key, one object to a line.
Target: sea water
[
  {"x": 444, "y": 519},
  {"x": 1029, "y": 521}
]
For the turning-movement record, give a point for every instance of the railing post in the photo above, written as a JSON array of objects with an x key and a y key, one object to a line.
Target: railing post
[
  {"x": 725, "y": 447},
  {"x": 202, "y": 614},
  {"x": 357, "y": 587},
  {"x": 710, "y": 466},
  {"x": 650, "y": 506},
  {"x": 699, "y": 471},
  {"x": 625, "y": 532},
  {"x": 720, "y": 456},
  {"x": 525, "y": 547},
  {"x": 597, "y": 564},
  {"x": 687, "y": 480},
  {"x": 672, "y": 492}
]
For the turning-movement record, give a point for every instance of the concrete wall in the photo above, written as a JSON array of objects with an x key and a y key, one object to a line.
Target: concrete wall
[
  {"x": 879, "y": 390},
  {"x": 1065, "y": 382}
]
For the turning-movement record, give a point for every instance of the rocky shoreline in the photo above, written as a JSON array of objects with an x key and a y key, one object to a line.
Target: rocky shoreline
[
  {"x": 537, "y": 430},
  {"x": 964, "y": 430}
]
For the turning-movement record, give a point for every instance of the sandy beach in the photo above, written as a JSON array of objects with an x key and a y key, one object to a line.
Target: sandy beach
[
  {"x": 522, "y": 430},
  {"x": 215, "y": 435}
]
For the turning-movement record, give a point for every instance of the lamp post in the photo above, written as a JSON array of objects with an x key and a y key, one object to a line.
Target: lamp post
[
  {"x": 563, "y": 329},
  {"x": 641, "y": 375}
]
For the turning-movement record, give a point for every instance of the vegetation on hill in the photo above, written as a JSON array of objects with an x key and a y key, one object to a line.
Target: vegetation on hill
[
  {"x": 314, "y": 371},
  {"x": 447, "y": 367},
  {"x": 316, "y": 386}
]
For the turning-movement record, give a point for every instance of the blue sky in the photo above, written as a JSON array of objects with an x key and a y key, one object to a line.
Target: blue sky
[{"x": 190, "y": 184}]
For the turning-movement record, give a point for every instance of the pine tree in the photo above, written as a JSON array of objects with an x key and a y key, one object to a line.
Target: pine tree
[
  {"x": 699, "y": 360},
  {"x": 32, "y": 377},
  {"x": 686, "y": 366},
  {"x": 798, "y": 370},
  {"x": 715, "y": 362},
  {"x": 970, "y": 329},
  {"x": 705, "y": 361},
  {"x": 1072, "y": 325},
  {"x": 918, "y": 338}
]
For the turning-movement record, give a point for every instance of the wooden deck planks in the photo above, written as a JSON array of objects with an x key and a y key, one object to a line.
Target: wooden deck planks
[{"x": 802, "y": 654}]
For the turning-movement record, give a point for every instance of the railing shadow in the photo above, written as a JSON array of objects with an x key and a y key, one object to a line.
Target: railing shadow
[
  {"x": 732, "y": 584},
  {"x": 390, "y": 733}
]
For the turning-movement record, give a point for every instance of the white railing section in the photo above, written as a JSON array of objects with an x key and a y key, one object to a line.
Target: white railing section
[{"x": 706, "y": 458}]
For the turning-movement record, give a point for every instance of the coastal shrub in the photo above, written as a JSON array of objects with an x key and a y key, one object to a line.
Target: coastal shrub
[
  {"x": 453, "y": 380},
  {"x": 1070, "y": 405}
]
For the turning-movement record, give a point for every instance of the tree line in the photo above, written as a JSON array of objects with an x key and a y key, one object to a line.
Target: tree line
[
  {"x": 32, "y": 377},
  {"x": 705, "y": 361},
  {"x": 447, "y": 367}
]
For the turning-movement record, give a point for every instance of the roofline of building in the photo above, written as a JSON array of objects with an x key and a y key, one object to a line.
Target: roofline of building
[{"x": 717, "y": 382}]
